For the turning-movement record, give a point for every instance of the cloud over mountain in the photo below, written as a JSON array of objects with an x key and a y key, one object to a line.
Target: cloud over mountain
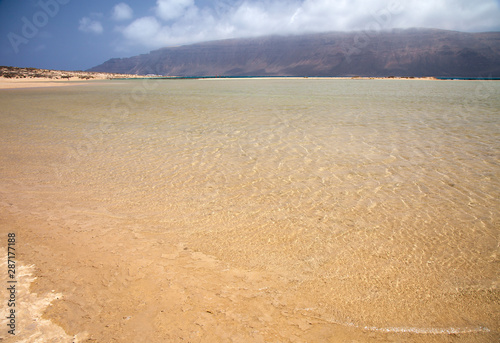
[
  {"x": 186, "y": 21},
  {"x": 409, "y": 52}
]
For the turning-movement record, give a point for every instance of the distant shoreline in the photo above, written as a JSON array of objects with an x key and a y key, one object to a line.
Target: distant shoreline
[{"x": 13, "y": 77}]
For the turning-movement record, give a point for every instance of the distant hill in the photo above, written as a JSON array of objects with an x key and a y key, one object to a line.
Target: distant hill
[{"x": 410, "y": 52}]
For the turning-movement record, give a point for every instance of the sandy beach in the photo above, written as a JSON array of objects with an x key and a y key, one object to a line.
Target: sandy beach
[
  {"x": 11, "y": 77},
  {"x": 36, "y": 83},
  {"x": 47, "y": 82}
]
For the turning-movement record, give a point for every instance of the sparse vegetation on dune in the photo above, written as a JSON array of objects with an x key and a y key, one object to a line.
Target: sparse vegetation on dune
[{"x": 34, "y": 73}]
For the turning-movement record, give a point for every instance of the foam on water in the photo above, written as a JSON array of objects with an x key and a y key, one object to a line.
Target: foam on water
[{"x": 30, "y": 326}]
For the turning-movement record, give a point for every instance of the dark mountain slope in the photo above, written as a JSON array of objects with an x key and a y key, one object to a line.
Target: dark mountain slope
[{"x": 411, "y": 52}]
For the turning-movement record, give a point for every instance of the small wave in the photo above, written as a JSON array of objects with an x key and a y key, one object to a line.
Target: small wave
[
  {"x": 407, "y": 329},
  {"x": 434, "y": 331}
]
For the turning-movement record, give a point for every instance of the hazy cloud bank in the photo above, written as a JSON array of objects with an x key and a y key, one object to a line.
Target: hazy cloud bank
[{"x": 176, "y": 22}]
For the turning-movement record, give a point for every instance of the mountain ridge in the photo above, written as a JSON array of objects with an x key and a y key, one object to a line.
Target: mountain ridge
[{"x": 398, "y": 52}]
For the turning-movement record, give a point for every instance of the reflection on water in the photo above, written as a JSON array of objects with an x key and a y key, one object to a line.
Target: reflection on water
[{"x": 377, "y": 202}]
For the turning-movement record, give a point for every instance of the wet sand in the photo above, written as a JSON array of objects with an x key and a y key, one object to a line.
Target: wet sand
[
  {"x": 105, "y": 284},
  {"x": 144, "y": 230},
  {"x": 131, "y": 286}
]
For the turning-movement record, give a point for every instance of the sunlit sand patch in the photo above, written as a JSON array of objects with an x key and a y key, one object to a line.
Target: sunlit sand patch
[
  {"x": 34, "y": 83},
  {"x": 30, "y": 326}
]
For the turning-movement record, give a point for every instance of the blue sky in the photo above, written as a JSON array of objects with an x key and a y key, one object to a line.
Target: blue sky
[{"x": 79, "y": 34}]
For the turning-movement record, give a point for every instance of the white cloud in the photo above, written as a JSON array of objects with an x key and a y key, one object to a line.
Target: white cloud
[
  {"x": 145, "y": 29},
  {"x": 90, "y": 25},
  {"x": 460, "y": 15},
  {"x": 172, "y": 9},
  {"x": 122, "y": 11},
  {"x": 182, "y": 22}
]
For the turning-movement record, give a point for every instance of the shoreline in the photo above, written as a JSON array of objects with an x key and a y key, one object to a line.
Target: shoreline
[
  {"x": 13, "y": 77},
  {"x": 39, "y": 82}
]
